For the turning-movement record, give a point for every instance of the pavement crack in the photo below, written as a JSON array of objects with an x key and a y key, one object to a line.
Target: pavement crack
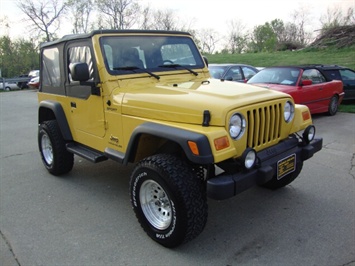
[
  {"x": 349, "y": 263},
  {"x": 7, "y": 242},
  {"x": 352, "y": 166}
]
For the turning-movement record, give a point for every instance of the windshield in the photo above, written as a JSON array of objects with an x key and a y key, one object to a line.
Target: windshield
[
  {"x": 122, "y": 54},
  {"x": 282, "y": 75}
]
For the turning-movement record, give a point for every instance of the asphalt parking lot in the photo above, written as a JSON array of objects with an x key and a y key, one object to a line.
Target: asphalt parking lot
[{"x": 85, "y": 217}]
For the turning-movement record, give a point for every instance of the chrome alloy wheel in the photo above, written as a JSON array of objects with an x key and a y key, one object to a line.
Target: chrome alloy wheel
[
  {"x": 47, "y": 149},
  {"x": 155, "y": 204},
  {"x": 333, "y": 108}
]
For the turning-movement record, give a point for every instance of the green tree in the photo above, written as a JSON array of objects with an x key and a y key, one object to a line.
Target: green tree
[
  {"x": 17, "y": 57},
  {"x": 7, "y": 51},
  {"x": 264, "y": 38}
]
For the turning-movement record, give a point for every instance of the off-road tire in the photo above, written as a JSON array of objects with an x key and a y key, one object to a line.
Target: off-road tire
[
  {"x": 274, "y": 183},
  {"x": 52, "y": 147},
  {"x": 169, "y": 200}
]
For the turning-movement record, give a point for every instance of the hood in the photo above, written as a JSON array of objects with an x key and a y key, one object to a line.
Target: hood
[{"x": 186, "y": 102}]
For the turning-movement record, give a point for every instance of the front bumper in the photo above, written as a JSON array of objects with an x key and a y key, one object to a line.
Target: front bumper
[{"x": 227, "y": 185}]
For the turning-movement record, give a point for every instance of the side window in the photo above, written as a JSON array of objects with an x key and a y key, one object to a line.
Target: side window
[
  {"x": 234, "y": 74},
  {"x": 333, "y": 74},
  {"x": 51, "y": 68},
  {"x": 80, "y": 54},
  {"x": 248, "y": 72},
  {"x": 314, "y": 75},
  {"x": 347, "y": 74}
]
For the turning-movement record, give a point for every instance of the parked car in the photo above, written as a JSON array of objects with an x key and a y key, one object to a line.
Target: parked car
[
  {"x": 8, "y": 85},
  {"x": 34, "y": 83},
  {"x": 306, "y": 84},
  {"x": 346, "y": 75},
  {"x": 232, "y": 72},
  {"x": 24, "y": 84}
]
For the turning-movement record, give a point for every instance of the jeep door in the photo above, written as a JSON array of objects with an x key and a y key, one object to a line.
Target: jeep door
[{"x": 87, "y": 112}]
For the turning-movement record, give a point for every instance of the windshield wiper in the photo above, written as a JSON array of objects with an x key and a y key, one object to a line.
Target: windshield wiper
[
  {"x": 133, "y": 68},
  {"x": 178, "y": 65}
]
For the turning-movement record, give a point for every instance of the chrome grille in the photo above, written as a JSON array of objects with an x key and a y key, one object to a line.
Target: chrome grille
[{"x": 264, "y": 125}]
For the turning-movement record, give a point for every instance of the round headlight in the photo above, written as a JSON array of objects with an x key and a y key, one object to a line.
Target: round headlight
[
  {"x": 289, "y": 110},
  {"x": 237, "y": 124},
  {"x": 249, "y": 158},
  {"x": 309, "y": 133}
]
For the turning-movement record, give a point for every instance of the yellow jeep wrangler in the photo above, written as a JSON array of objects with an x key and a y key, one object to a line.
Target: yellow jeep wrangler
[{"x": 146, "y": 97}]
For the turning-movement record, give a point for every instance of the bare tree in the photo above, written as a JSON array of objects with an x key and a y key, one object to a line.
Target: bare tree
[
  {"x": 44, "y": 15},
  {"x": 301, "y": 19},
  {"x": 146, "y": 14},
  {"x": 121, "y": 14},
  {"x": 335, "y": 18},
  {"x": 164, "y": 20},
  {"x": 237, "y": 40},
  {"x": 80, "y": 13},
  {"x": 4, "y": 25},
  {"x": 207, "y": 40}
]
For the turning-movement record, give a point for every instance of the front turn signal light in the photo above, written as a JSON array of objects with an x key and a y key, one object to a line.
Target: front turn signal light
[
  {"x": 306, "y": 116},
  {"x": 193, "y": 147},
  {"x": 221, "y": 143}
]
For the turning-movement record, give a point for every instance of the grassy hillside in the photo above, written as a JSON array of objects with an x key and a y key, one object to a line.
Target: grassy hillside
[{"x": 342, "y": 57}]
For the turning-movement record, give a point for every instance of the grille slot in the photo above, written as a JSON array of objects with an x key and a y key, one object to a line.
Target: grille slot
[{"x": 264, "y": 125}]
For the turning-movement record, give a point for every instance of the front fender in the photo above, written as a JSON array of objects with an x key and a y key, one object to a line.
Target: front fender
[
  {"x": 302, "y": 118},
  {"x": 180, "y": 136}
]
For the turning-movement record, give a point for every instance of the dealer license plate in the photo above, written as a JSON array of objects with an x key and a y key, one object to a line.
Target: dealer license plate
[{"x": 285, "y": 166}]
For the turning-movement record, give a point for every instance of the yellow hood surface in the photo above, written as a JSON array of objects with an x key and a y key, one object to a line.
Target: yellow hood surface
[{"x": 186, "y": 102}]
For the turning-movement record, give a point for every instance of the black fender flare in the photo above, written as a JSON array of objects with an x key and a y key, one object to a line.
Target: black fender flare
[
  {"x": 180, "y": 136},
  {"x": 59, "y": 115}
]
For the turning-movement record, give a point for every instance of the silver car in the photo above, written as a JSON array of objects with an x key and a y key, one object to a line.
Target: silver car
[{"x": 8, "y": 85}]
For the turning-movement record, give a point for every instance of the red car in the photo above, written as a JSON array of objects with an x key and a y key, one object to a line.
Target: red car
[
  {"x": 34, "y": 83},
  {"x": 306, "y": 84}
]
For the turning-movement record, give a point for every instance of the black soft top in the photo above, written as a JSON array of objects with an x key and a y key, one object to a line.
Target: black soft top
[{"x": 69, "y": 37}]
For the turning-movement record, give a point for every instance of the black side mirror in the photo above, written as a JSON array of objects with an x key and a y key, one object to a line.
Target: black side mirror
[{"x": 79, "y": 71}]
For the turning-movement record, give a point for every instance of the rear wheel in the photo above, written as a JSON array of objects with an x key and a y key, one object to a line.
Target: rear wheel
[
  {"x": 168, "y": 199},
  {"x": 52, "y": 147},
  {"x": 333, "y": 105}
]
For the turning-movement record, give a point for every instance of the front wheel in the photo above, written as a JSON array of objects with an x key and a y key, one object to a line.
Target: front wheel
[
  {"x": 51, "y": 145},
  {"x": 168, "y": 199}
]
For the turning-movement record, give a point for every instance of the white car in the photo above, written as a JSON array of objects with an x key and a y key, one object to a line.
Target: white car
[{"x": 8, "y": 86}]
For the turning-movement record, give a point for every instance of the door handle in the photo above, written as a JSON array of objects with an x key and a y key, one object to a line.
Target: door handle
[{"x": 73, "y": 104}]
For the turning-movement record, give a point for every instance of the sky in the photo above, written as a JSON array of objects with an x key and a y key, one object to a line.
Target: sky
[{"x": 205, "y": 14}]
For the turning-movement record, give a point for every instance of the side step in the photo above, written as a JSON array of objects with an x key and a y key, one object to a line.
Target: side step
[{"x": 85, "y": 152}]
